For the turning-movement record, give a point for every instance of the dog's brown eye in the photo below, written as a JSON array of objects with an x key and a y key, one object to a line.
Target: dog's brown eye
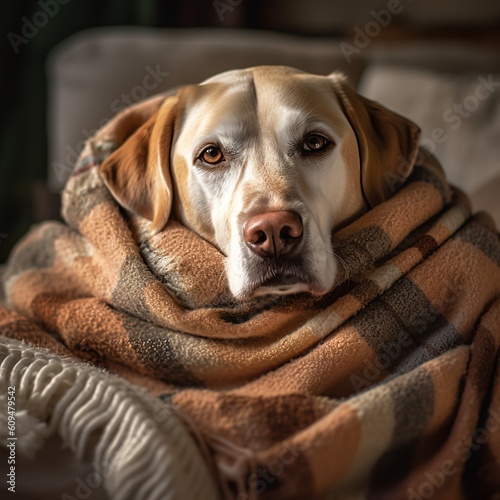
[
  {"x": 315, "y": 143},
  {"x": 212, "y": 155}
]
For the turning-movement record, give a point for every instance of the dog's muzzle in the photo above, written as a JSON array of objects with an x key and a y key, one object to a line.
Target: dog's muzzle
[{"x": 275, "y": 239}]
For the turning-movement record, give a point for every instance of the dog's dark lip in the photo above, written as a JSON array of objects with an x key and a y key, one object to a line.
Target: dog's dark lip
[
  {"x": 286, "y": 268},
  {"x": 282, "y": 280},
  {"x": 282, "y": 276}
]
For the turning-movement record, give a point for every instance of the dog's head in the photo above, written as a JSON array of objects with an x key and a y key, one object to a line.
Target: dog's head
[{"x": 264, "y": 163}]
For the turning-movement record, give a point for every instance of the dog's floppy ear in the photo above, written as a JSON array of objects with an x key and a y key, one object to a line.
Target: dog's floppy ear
[
  {"x": 138, "y": 172},
  {"x": 387, "y": 142}
]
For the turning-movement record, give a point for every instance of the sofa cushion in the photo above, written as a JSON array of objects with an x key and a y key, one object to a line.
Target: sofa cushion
[{"x": 459, "y": 116}]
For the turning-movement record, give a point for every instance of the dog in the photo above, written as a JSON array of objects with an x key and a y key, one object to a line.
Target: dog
[{"x": 264, "y": 163}]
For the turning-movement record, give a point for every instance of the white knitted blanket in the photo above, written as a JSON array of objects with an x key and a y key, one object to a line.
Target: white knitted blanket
[{"x": 137, "y": 445}]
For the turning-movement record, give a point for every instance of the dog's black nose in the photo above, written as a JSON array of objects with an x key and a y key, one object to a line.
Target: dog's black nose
[{"x": 273, "y": 233}]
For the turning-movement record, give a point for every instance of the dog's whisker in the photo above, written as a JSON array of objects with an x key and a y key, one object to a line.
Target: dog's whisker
[{"x": 345, "y": 266}]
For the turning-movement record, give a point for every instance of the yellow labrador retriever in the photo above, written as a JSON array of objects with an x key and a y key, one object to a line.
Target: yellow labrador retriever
[{"x": 264, "y": 163}]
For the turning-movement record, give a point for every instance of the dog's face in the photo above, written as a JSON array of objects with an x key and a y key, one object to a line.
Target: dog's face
[{"x": 264, "y": 163}]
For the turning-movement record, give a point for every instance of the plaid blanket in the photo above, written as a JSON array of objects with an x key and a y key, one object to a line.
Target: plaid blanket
[{"x": 386, "y": 387}]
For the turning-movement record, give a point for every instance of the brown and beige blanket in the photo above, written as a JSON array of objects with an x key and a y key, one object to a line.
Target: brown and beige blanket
[{"x": 388, "y": 387}]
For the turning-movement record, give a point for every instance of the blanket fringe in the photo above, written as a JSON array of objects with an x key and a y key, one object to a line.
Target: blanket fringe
[{"x": 138, "y": 445}]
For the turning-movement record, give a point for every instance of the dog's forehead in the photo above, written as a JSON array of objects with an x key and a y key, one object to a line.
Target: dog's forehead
[
  {"x": 246, "y": 74},
  {"x": 263, "y": 91},
  {"x": 289, "y": 85}
]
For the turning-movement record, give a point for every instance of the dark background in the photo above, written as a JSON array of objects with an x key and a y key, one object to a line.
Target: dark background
[{"x": 23, "y": 137}]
